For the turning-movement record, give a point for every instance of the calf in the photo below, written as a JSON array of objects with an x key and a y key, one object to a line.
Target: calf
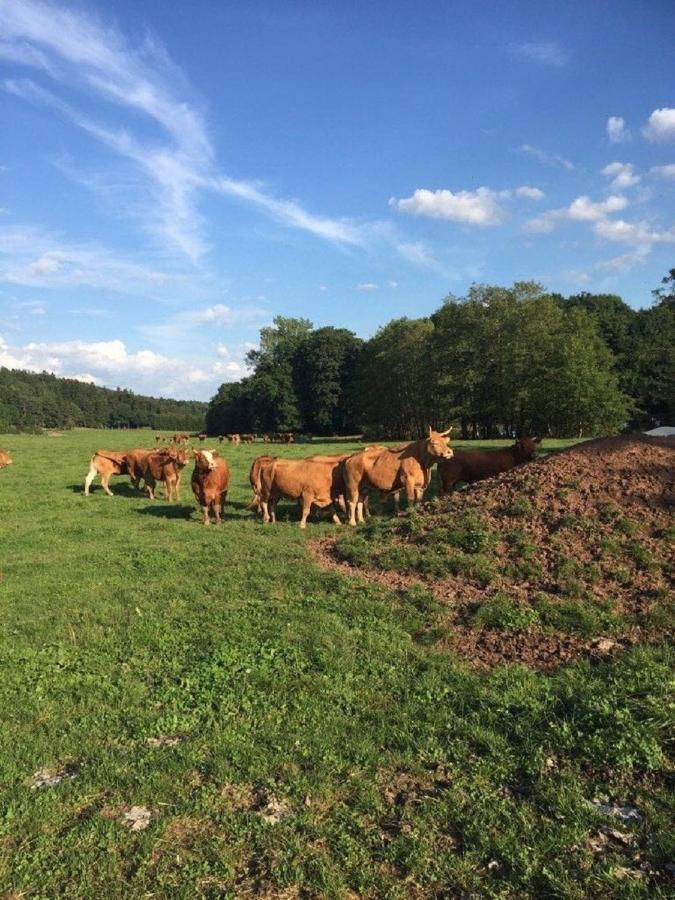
[
  {"x": 314, "y": 481},
  {"x": 473, "y": 465},
  {"x": 210, "y": 483},
  {"x": 106, "y": 463},
  {"x": 165, "y": 466},
  {"x": 5, "y": 459}
]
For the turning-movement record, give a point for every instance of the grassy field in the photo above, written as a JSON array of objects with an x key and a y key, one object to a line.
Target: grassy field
[{"x": 292, "y": 732}]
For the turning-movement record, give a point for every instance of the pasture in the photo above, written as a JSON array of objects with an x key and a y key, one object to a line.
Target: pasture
[{"x": 287, "y": 731}]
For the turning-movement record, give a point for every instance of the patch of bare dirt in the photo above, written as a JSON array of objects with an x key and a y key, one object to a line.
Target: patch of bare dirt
[{"x": 591, "y": 524}]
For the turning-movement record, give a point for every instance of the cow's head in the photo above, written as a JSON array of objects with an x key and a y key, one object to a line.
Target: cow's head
[
  {"x": 206, "y": 460},
  {"x": 438, "y": 444},
  {"x": 526, "y": 448}
]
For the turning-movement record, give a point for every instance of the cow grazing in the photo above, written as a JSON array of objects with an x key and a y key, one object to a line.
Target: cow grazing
[
  {"x": 390, "y": 470},
  {"x": 181, "y": 438},
  {"x": 165, "y": 466},
  {"x": 254, "y": 476},
  {"x": 202, "y": 437},
  {"x": 221, "y": 438},
  {"x": 158, "y": 438},
  {"x": 5, "y": 459},
  {"x": 106, "y": 463},
  {"x": 210, "y": 483},
  {"x": 314, "y": 481},
  {"x": 473, "y": 465},
  {"x": 247, "y": 438},
  {"x": 234, "y": 438}
]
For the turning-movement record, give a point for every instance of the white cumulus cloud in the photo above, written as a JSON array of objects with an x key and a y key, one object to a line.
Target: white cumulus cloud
[
  {"x": 622, "y": 175},
  {"x": 661, "y": 125},
  {"x": 667, "y": 171},
  {"x": 478, "y": 207}
]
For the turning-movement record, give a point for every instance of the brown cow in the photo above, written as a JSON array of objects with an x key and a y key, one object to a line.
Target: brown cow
[
  {"x": 181, "y": 438},
  {"x": 315, "y": 481},
  {"x": 135, "y": 460},
  {"x": 254, "y": 478},
  {"x": 166, "y": 466},
  {"x": 106, "y": 463},
  {"x": 5, "y": 459},
  {"x": 472, "y": 465},
  {"x": 210, "y": 483},
  {"x": 391, "y": 470}
]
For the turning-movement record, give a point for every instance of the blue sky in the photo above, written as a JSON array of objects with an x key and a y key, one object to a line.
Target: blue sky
[{"x": 174, "y": 175}]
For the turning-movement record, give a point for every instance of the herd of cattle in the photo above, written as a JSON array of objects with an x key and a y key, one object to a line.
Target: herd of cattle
[
  {"x": 276, "y": 437},
  {"x": 341, "y": 482}
]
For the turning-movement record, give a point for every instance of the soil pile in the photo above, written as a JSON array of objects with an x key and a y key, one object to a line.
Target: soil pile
[{"x": 567, "y": 555}]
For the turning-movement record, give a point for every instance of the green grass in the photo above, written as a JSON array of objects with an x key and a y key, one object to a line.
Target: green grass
[{"x": 400, "y": 772}]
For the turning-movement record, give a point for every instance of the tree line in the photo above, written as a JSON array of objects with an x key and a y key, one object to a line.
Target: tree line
[
  {"x": 30, "y": 400},
  {"x": 499, "y": 361}
]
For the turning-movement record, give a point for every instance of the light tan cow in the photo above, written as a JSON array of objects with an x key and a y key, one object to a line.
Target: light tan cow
[
  {"x": 106, "y": 463},
  {"x": 210, "y": 483},
  {"x": 5, "y": 459},
  {"x": 314, "y": 481},
  {"x": 390, "y": 470},
  {"x": 254, "y": 476}
]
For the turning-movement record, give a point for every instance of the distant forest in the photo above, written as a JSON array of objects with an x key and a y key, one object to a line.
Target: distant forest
[
  {"x": 29, "y": 401},
  {"x": 500, "y": 361}
]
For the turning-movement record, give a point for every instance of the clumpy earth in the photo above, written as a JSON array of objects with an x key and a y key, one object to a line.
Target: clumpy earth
[{"x": 567, "y": 556}]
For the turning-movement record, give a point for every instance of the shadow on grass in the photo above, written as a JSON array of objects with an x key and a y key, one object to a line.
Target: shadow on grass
[
  {"x": 172, "y": 511},
  {"x": 119, "y": 490}
]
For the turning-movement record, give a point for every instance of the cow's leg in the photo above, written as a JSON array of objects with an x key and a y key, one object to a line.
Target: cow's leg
[
  {"x": 217, "y": 502},
  {"x": 177, "y": 488},
  {"x": 410, "y": 491},
  {"x": 264, "y": 506},
  {"x": 105, "y": 478},
  {"x": 91, "y": 474},
  {"x": 222, "y": 503},
  {"x": 360, "y": 506},
  {"x": 306, "y": 507}
]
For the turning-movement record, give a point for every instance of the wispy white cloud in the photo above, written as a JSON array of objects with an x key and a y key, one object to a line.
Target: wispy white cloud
[
  {"x": 416, "y": 252},
  {"x": 667, "y": 171},
  {"x": 547, "y": 53},
  {"x": 635, "y": 233},
  {"x": 660, "y": 125},
  {"x": 368, "y": 286},
  {"x": 617, "y": 131},
  {"x": 548, "y": 159},
  {"x": 622, "y": 174},
  {"x": 34, "y": 257},
  {"x": 75, "y": 50}
]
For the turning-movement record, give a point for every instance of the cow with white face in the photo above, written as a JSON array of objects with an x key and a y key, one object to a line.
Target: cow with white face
[{"x": 210, "y": 483}]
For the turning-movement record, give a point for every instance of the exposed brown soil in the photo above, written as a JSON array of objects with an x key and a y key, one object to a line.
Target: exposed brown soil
[{"x": 594, "y": 519}]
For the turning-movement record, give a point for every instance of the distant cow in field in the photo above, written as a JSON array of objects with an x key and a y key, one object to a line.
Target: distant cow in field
[
  {"x": 181, "y": 438},
  {"x": 210, "y": 483},
  {"x": 234, "y": 438},
  {"x": 247, "y": 438},
  {"x": 473, "y": 465},
  {"x": 221, "y": 438},
  {"x": 158, "y": 438},
  {"x": 5, "y": 459},
  {"x": 314, "y": 481},
  {"x": 106, "y": 463},
  {"x": 390, "y": 470},
  {"x": 203, "y": 436},
  {"x": 165, "y": 466}
]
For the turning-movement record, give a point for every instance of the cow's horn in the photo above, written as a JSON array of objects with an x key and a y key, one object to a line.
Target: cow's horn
[{"x": 447, "y": 433}]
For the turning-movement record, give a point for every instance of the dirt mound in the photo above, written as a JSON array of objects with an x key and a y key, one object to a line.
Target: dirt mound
[{"x": 534, "y": 564}]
